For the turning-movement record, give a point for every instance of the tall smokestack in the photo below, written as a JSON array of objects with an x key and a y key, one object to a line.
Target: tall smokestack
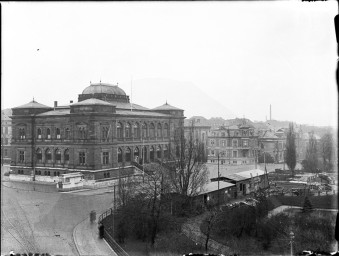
[{"x": 270, "y": 112}]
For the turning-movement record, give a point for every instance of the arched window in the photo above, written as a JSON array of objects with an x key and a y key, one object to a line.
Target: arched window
[
  {"x": 22, "y": 133},
  {"x": 104, "y": 133},
  {"x": 166, "y": 130},
  {"x": 158, "y": 152},
  {"x": 159, "y": 130},
  {"x": 119, "y": 130},
  {"x": 119, "y": 155},
  {"x": 152, "y": 131},
  {"x": 58, "y": 156},
  {"x": 144, "y": 155},
  {"x": 128, "y": 130},
  {"x": 66, "y": 156},
  {"x": 38, "y": 155},
  {"x": 166, "y": 153},
  {"x": 48, "y": 155},
  {"x": 48, "y": 133},
  {"x": 82, "y": 133},
  {"x": 144, "y": 130},
  {"x": 128, "y": 155},
  {"x": 136, "y": 154},
  {"x": 39, "y": 133},
  {"x": 67, "y": 133},
  {"x": 58, "y": 135},
  {"x": 136, "y": 128},
  {"x": 151, "y": 153}
]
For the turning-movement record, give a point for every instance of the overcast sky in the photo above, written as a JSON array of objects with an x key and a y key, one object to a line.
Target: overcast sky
[{"x": 227, "y": 59}]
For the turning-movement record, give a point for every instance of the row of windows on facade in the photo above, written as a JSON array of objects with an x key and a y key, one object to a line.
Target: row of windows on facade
[
  {"x": 106, "y": 130},
  {"x": 227, "y": 143},
  {"x": 46, "y": 173},
  {"x": 227, "y": 153},
  {"x": 105, "y": 155},
  {"x": 233, "y": 133}
]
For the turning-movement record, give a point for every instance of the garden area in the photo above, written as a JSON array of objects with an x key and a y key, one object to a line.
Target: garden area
[{"x": 251, "y": 232}]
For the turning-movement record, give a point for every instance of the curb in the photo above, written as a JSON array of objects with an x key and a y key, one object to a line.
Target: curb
[{"x": 74, "y": 236}]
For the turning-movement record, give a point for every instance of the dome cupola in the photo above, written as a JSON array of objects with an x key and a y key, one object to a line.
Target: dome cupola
[{"x": 104, "y": 91}]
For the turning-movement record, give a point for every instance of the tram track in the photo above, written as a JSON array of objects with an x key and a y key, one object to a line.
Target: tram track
[{"x": 18, "y": 222}]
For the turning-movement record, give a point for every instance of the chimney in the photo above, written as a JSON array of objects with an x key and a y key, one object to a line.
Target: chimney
[
  {"x": 55, "y": 104},
  {"x": 71, "y": 101}
]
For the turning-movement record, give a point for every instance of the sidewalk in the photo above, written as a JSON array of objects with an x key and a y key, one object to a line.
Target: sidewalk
[{"x": 87, "y": 241}]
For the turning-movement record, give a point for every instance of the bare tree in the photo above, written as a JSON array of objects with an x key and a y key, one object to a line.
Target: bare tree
[
  {"x": 290, "y": 155},
  {"x": 311, "y": 161},
  {"x": 153, "y": 188},
  {"x": 326, "y": 147},
  {"x": 189, "y": 173}
]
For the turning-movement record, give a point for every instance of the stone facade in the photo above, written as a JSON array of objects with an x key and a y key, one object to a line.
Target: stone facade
[
  {"x": 93, "y": 136},
  {"x": 232, "y": 145},
  {"x": 6, "y": 136}
]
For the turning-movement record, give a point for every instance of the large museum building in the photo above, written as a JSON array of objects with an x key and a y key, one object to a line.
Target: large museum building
[{"x": 100, "y": 135}]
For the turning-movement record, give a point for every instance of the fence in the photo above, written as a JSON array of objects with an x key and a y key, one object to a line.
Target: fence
[{"x": 109, "y": 239}]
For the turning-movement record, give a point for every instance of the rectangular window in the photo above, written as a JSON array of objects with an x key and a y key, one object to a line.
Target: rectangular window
[
  {"x": 82, "y": 158},
  {"x": 105, "y": 157},
  {"x": 21, "y": 156},
  {"x": 235, "y": 153},
  {"x": 212, "y": 142},
  {"x": 223, "y": 143},
  {"x": 5, "y": 152},
  {"x": 235, "y": 143},
  {"x": 228, "y": 143},
  {"x": 6, "y": 130},
  {"x": 245, "y": 143}
]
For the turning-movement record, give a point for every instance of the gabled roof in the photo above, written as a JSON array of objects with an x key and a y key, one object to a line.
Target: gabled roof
[
  {"x": 32, "y": 104},
  {"x": 92, "y": 101},
  {"x": 166, "y": 106}
]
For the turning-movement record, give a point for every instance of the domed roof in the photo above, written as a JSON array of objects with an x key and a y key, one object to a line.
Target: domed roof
[
  {"x": 91, "y": 101},
  {"x": 103, "y": 88}
]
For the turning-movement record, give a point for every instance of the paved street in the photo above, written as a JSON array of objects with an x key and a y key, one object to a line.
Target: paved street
[{"x": 34, "y": 221}]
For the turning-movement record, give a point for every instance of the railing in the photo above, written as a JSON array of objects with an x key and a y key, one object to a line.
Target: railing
[{"x": 110, "y": 240}]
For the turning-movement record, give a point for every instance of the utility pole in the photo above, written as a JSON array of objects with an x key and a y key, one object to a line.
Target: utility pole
[
  {"x": 33, "y": 149},
  {"x": 291, "y": 241},
  {"x": 218, "y": 181}
]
